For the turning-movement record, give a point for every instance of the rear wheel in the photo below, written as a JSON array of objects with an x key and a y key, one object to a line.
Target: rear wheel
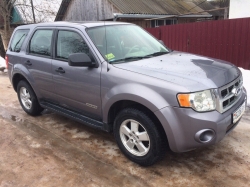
[
  {"x": 138, "y": 137},
  {"x": 28, "y": 99}
]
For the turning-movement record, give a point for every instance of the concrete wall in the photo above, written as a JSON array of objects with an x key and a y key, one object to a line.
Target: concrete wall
[{"x": 239, "y": 9}]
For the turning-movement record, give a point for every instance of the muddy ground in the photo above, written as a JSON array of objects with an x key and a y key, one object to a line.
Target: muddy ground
[{"x": 51, "y": 150}]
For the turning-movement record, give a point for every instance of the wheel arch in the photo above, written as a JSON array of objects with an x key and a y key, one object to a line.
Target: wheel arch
[
  {"x": 20, "y": 72},
  {"x": 122, "y": 104},
  {"x": 132, "y": 92},
  {"x": 17, "y": 78}
]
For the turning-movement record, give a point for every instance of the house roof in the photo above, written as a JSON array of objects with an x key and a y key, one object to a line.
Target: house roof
[
  {"x": 15, "y": 19},
  {"x": 63, "y": 7},
  {"x": 164, "y": 7},
  {"x": 210, "y": 5},
  {"x": 157, "y": 7}
]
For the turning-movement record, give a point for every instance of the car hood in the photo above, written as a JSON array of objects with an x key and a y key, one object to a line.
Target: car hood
[{"x": 191, "y": 71}]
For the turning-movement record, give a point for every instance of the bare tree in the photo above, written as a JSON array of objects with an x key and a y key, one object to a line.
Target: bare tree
[
  {"x": 45, "y": 11},
  {"x": 2, "y": 51},
  {"x": 5, "y": 11}
]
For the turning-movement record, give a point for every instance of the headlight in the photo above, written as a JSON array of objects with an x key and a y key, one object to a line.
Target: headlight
[{"x": 199, "y": 101}]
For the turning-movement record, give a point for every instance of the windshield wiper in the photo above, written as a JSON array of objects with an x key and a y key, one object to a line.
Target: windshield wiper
[
  {"x": 133, "y": 58},
  {"x": 157, "y": 53}
]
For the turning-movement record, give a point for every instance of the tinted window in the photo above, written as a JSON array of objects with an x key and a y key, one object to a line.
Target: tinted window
[
  {"x": 18, "y": 40},
  {"x": 41, "y": 42},
  {"x": 69, "y": 42}
]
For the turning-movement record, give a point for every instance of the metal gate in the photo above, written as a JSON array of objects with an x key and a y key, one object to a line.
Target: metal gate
[{"x": 223, "y": 39}]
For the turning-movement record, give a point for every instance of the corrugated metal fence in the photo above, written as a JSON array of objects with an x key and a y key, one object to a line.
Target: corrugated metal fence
[{"x": 224, "y": 39}]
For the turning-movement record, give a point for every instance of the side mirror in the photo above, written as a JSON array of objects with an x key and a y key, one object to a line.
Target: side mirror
[{"x": 80, "y": 60}]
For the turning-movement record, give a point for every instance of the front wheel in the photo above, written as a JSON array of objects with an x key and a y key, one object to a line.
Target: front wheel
[
  {"x": 28, "y": 99},
  {"x": 138, "y": 137}
]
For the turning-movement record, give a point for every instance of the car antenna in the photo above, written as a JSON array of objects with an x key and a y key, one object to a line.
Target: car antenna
[{"x": 106, "y": 45}]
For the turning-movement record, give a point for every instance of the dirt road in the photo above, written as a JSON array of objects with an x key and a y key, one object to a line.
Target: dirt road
[{"x": 51, "y": 150}]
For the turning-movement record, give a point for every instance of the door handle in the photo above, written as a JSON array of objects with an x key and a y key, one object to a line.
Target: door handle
[
  {"x": 60, "y": 70},
  {"x": 28, "y": 63}
]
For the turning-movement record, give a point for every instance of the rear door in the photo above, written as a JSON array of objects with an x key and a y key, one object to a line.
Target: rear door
[
  {"x": 38, "y": 61},
  {"x": 16, "y": 50},
  {"x": 77, "y": 88}
]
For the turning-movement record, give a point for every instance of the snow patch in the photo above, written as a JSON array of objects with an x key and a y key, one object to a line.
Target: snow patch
[
  {"x": 83, "y": 135},
  {"x": 2, "y": 62},
  {"x": 246, "y": 83},
  {"x": 35, "y": 145}
]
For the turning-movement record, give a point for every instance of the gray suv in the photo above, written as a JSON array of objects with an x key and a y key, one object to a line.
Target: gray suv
[{"x": 118, "y": 78}]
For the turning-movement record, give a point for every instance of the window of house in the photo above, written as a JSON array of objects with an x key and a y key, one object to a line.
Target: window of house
[
  {"x": 69, "y": 42},
  {"x": 18, "y": 40},
  {"x": 171, "y": 21},
  {"x": 168, "y": 22},
  {"x": 157, "y": 23},
  {"x": 40, "y": 42},
  {"x": 153, "y": 24},
  {"x": 160, "y": 22}
]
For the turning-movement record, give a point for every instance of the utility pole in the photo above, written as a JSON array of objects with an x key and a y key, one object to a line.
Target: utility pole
[{"x": 31, "y": 1}]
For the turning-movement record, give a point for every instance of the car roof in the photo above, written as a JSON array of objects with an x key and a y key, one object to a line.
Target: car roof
[{"x": 86, "y": 24}]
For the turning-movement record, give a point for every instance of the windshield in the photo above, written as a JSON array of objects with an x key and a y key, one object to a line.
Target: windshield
[{"x": 125, "y": 43}]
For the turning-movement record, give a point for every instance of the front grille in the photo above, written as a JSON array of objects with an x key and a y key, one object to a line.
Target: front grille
[
  {"x": 229, "y": 94},
  {"x": 228, "y": 90},
  {"x": 224, "y": 93},
  {"x": 225, "y": 103},
  {"x": 231, "y": 100}
]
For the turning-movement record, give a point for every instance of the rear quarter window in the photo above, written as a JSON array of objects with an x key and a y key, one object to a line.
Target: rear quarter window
[{"x": 18, "y": 40}]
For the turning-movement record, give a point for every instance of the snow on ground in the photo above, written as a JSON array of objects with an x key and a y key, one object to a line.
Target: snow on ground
[
  {"x": 2, "y": 62},
  {"x": 246, "y": 83}
]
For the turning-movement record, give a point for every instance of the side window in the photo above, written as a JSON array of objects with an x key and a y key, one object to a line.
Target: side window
[
  {"x": 18, "y": 40},
  {"x": 40, "y": 42},
  {"x": 69, "y": 42}
]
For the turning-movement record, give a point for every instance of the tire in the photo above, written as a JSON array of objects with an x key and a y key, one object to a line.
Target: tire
[
  {"x": 146, "y": 145},
  {"x": 27, "y": 99}
]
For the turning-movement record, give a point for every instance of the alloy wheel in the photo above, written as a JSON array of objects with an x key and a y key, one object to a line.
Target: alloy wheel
[
  {"x": 134, "y": 137},
  {"x": 25, "y": 98}
]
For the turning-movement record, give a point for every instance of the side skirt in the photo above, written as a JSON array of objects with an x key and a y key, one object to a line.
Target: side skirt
[{"x": 76, "y": 116}]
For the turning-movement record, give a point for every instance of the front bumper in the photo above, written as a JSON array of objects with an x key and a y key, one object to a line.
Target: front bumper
[{"x": 181, "y": 125}]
